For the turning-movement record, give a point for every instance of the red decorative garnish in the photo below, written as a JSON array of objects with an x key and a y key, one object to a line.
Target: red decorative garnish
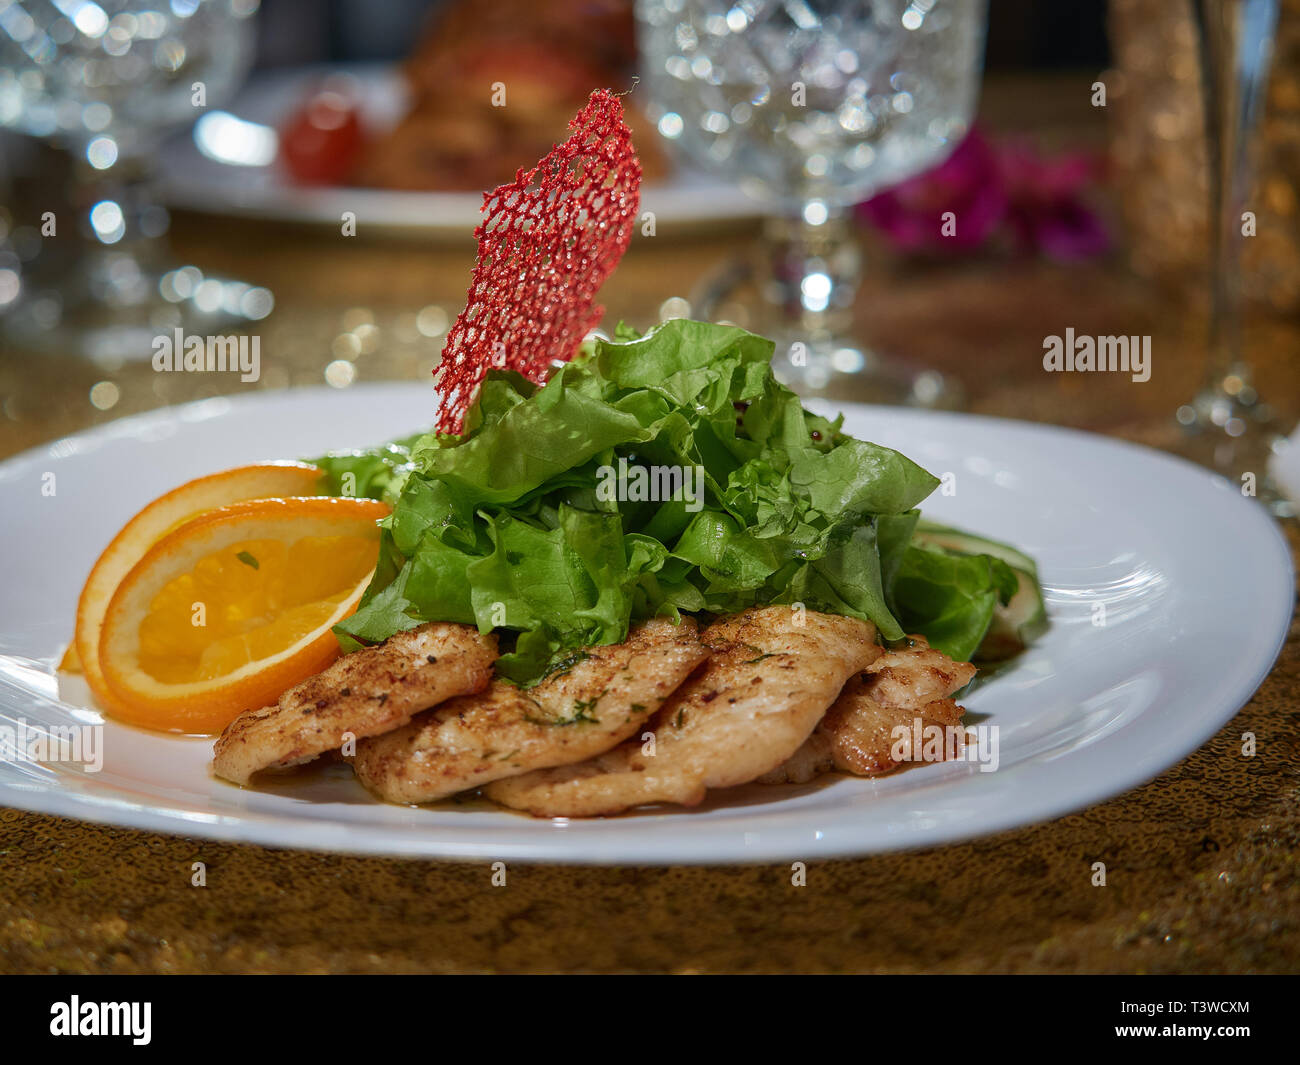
[{"x": 548, "y": 241}]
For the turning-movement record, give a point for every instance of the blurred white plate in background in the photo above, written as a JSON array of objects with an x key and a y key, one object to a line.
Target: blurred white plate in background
[{"x": 191, "y": 180}]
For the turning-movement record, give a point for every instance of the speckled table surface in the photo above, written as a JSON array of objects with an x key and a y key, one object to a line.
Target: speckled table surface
[{"x": 1202, "y": 862}]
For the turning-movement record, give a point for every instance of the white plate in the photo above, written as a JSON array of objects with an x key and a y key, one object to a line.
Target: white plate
[
  {"x": 189, "y": 179},
  {"x": 1196, "y": 583}
]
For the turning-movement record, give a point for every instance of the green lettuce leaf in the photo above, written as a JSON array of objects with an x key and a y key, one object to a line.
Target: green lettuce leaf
[
  {"x": 521, "y": 525},
  {"x": 950, "y": 598},
  {"x": 375, "y": 474}
]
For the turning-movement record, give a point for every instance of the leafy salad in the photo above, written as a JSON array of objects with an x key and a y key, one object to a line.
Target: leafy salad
[{"x": 506, "y": 526}]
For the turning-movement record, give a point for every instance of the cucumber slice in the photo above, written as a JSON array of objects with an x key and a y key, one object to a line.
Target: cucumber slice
[
  {"x": 1024, "y": 618},
  {"x": 964, "y": 543},
  {"x": 1016, "y": 625}
]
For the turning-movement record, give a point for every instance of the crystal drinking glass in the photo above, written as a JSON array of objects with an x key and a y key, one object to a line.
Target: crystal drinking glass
[
  {"x": 106, "y": 80},
  {"x": 1228, "y": 426},
  {"x": 812, "y": 106}
]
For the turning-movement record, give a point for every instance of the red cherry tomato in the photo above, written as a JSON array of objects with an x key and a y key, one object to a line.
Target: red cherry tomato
[{"x": 322, "y": 141}]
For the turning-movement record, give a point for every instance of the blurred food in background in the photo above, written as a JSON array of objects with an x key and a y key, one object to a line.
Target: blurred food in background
[
  {"x": 323, "y": 141},
  {"x": 462, "y": 131}
]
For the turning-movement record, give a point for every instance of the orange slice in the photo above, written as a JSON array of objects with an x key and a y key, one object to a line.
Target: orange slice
[
  {"x": 149, "y": 526},
  {"x": 227, "y": 611}
]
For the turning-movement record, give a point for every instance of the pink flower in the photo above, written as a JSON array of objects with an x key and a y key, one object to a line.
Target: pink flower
[
  {"x": 968, "y": 184},
  {"x": 1047, "y": 210},
  {"x": 982, "y": 191}
]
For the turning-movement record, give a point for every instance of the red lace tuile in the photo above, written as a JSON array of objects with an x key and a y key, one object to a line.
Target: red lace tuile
[{"x": 548, "y": 241}]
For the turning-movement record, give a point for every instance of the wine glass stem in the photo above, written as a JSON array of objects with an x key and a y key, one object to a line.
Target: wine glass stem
[
  {"x": 812, "y": 272},
  {"x": 1236, "y": 39},
  {"x": 125, "y": 183},
  {"x": 121, "y": 226}
]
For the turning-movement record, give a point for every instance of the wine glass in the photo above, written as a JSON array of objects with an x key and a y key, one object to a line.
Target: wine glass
[
  {"x": 812, "y": 106},
  {"x": 106, "y": 80},
  {"x": 1228, "y": 427}
]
